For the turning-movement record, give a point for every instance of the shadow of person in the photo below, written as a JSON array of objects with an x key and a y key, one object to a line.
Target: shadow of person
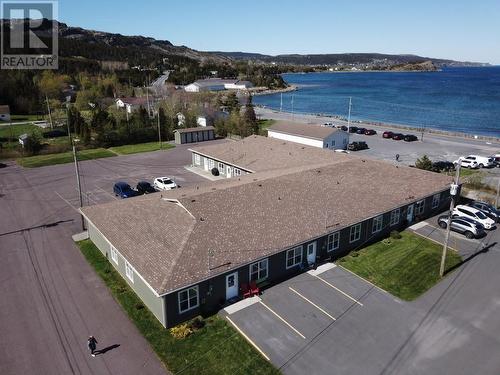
[{"x": 107, "y": 349}]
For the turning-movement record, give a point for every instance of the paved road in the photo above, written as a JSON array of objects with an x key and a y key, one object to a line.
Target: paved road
[{"x": 51, "y": 299}]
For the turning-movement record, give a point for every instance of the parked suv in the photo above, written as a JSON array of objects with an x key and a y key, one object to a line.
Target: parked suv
[
  {"x": 482, "y": 161},
  {"x": 356, "y": 146},
  {"x": 470, "y": 228},
  {"x": 487, "y": 209},
  {"x": 144, "y": 187},
  {"x": 123, "y": 190},
  {"x": 474, "y": 214},
  {"x": 466, "y": 163}
]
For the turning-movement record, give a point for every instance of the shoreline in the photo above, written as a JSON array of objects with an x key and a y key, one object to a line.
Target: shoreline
[
  {"x": 321, "y": 118},
  {"x": 289, "y": 88}
]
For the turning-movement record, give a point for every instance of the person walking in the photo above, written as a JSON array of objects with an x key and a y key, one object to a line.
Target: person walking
[
  {"x": 397, "y": 157},
  {"x": 92, "y": 343}
]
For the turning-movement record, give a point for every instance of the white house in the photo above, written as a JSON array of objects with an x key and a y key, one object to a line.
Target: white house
[
  {"x": 311, "y": 135},
  {"x": 4, "y": 113},
  {"x": 217, "y": 84},
  {"x": 131, "y": 104},
  {"x": 238, "y": 85}
]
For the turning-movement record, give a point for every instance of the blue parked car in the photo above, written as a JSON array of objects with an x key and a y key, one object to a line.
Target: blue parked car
[{"x": 123, "y": 190}]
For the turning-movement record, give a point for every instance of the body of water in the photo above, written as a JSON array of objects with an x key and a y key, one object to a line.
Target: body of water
[{"x": 455, "y": 99}]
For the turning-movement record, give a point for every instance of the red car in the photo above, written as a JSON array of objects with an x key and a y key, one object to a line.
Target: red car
[
  {"x": 370, "y": 132},
  {"x": 387, "y": 135},
  {"x": 398, "y": 136}
]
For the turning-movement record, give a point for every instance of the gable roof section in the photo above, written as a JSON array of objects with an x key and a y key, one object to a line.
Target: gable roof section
[
  {"x": 303, "y": 130},
  {"x": 223, "y": 225}
]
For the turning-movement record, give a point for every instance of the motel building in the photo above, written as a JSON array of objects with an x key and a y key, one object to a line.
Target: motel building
[{"x": 193, "y": 250}]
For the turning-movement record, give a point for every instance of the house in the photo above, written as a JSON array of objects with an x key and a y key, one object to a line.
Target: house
[
  {"x": 217, "y": 84},
  {"x": 311, "y": 135},
  {"x": 190, "y": 251},
  {"x": 194, "y": 135},
  {"x": 131, "y": 104},
  {"x": 257, "y": 154},
  {"x": 4, "y": 113},
  {"x": 209, "y": 119},
  {"x": 238, "y": 85}
]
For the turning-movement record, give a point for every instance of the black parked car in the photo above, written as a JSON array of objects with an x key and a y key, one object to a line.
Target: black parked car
[
  {"x": 356, "y": 146},
  {"x": 144, "y": 187},
  {"x": 443, "y": 166},
  {"x": 487, "y": 209},
  {"x": 344, "y": 128},
  {"x": 410, "y": 138},
  {"x": 398, "y": 136},
  {"x": 353, "y": 129},
  {"x": 360, "y": 131}
]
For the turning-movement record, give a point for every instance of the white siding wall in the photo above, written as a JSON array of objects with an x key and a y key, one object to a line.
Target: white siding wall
[
  {"x": 339, "y": 138},
  {"x": 296, "y": 139}
]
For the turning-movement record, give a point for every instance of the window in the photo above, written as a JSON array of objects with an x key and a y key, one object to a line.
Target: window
[
  {"x": 114, "y": 254},
  {"x": 355, "y": 233},
  {"x": 220, "y": 167},
  {"x": 377, "y": 224},
  {"x": 395, "y": 216},
  {"x": 419, "y": 207},
  {"x": 236, "y": 172},
  {"x": 435, "y": 200},
  {"x": 293, "y": 257},
  {"x": 188, "y": 299},
  {"x": 258, "y": 270},
  {"x": 129, "y": 271},
  {"x": 197, "y": 159},
  {"x": 211, "y": 164},
  {"x": 333, "y": 241}
]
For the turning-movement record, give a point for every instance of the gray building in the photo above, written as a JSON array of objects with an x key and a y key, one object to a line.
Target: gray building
[
  {"x": 189, "y": 251},
  {"x": 194, "y": 135}
]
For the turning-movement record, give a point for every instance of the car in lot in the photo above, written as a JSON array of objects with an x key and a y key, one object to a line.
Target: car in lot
[
  {"x": 357, "y": 146},
  {"x": 496, "y": 160},
  {"x": 370, "y": 132},
  {"x": 482, "y": 161},
  {"x": 123, "y": 190},
  {"x": 329, "y": 124},
  {"x": 164, "y": 183},
  {"x": 474, "y": 214},
  {"x": 468, "y": 227},
  {"x": 144, "y": 187},
  {"x": 398, "y": 136},
  {"x": 443, "y": 166},
  {"x": 466, "y": 162},
  {"x": 341, "y": 150},
  {"x": 387, "y": 135},
  {"x": 410, "y": 138},
  {"x": 360, "y": 131},
  {"x": 353, "y": 129},
  {"x": 343, "y": 127},
  {"x": 487, "y": 209}
]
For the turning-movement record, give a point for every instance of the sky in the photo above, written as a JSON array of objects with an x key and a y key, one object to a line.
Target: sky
[{"x": 465, "y": 30}]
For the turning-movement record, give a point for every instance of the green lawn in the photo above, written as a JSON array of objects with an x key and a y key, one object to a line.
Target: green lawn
[
  {"x": 263, "y": 125},
  {"x": 27, "y": 117},
  {"x": 141, "y": 147},
  {"x": 406, "y": 267},
  {"x": 64, "y": 157},
  {"x": 214, "y": 349},
  {"x": 14, "y": 131}
]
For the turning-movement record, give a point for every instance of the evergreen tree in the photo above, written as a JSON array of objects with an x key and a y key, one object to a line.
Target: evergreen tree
[{"x": 424, "y": 163}]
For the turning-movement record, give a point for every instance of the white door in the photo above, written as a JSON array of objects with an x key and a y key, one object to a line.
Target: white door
[
  {"x": 311, "y": 253},
  {"x": 229, "y": 172},
  {"x": 205, "y": 163},
  {"x": 231, "y": 285},
  {"x": 409, "y": 214}
]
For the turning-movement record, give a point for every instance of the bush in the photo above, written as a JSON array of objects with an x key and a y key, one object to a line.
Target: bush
[
  {"x": 196, "y": 324},
  {"x": 181, "y": 331},
  {"x": 395, "y": 235}
]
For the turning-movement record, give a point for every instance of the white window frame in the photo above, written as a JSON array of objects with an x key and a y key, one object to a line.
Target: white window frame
[
  {"x": 220, "y": 167},
  {"x": 333, "y": 241},
  {"x": 197, "y": 159},
  {"x": 356, "y": 229},
  {"x": 236, "y": 172},
  {"x": 260, "y": 268},
  {"x": 211, "y": 164},
  {"x": 436, "y": 199},
  {"x": 377, "y": 223},
  {"x": 188, "y": 299},
  {"x": 129, "y": 271},
  {"x": 296, "y": 256},
  {"x": 114, "y": 254},
  {"x": 395, "y": 216},
  {"x": 420, "y": 207}
]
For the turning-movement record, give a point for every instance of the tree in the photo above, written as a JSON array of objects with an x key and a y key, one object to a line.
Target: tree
[
  {"x": 250, "y": 118},
  {"x": 232, "y": 102},
  {"x": 424, "y": 163},
  {"x": 33, "y": 143}
]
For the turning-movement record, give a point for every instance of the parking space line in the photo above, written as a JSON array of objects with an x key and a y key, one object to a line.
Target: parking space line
[
  {"x": 111, "y": 195},
  {"x": 248, "y": 339},
  {"x": 66, "y": 201},
  {"x": 338, "y": 290},
  {"x": 362, "y": 278},
  {"x": 312, "y": 303},
  {"x": 433, "y": 240},
  {"x": 283, "y": 320}
]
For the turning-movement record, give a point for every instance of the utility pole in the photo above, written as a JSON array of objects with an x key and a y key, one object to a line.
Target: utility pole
[
  {"x": 67, "y": 124},
  {"x": 281, "y": 103},
  {"x": 498, "y": 193},
  {"x": 349, "y": 119},
  {"x": 77, "y": 172},
  {"x": 159, "y": 129},
  {"x": 48, "y": 109},
  {"x": 292, "y": 108},
  {"x": 453, "y": 193}
]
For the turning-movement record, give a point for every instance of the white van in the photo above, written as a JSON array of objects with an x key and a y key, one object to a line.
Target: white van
[{"x": 482, "y": 161}]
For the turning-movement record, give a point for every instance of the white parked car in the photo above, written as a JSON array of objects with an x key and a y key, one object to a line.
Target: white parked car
[
  {"x": 474, "y": 214},
  {"x": 164, "y": 183},
  {"x": 465, "y": 162},
  {"x": 482, "y": 161},
  {"x": 341, "y": 150}
]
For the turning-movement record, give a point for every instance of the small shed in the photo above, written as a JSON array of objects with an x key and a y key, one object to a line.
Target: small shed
[
  {"x": 4, "y": 113},
  {"x": 193, "y": 135},
  {"x": 23, "y": 138}
]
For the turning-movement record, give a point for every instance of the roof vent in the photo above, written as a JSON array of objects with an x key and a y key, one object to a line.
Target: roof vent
[
  {"x": 193, "y": 200},
  {"x": 202, "y": 219},
  {"x": 279, "y": 198},
  {"x": 338, "y": 183},
  {"x": 214, "y": 188},
  {"x": 363, "y": 160},
  {"x": 259, "y": 185}
]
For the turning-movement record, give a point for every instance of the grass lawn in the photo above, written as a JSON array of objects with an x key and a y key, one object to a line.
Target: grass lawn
[
  {"x": 406, "y": 267},
  {"x": 14, "y": 131},
  {"x": 141, "y": 147},
  {"x": 214, "y": 349},
  {"x": 263, "y": 125},
  {"x": 62, "y": 158},
  {"x": 26, "y": 117}
]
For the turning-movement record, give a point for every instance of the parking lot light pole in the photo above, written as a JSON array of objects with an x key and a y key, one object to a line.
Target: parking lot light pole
[
  {"x": 77, "y": 172},
  {"x": 453, "y": 193}
]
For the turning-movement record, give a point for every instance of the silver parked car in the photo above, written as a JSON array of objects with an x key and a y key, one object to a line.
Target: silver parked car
[{"x": 468, "y": 227}]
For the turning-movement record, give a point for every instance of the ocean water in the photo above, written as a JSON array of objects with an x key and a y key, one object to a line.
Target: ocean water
[{"x": 463, "y": 100}]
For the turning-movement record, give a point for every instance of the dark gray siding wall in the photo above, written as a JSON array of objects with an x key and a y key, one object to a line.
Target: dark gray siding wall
[
  {"x": 154, "y": 304},
  {"x": 194, "y": 136},
  {"x": 212, "y": 293},
  {"x": 222, "y": 168}
]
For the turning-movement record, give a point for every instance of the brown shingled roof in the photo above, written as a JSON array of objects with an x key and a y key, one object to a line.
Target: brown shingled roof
[
  {"x": 256, "y": 153},
  {"x": 303, "y": 130},
  {"x": 242, "y": 219}
]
